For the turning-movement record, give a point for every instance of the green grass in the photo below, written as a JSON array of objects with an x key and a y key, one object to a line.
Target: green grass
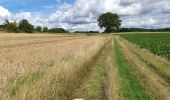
[
  {"x": 93, "y": 88},
  {"x": 95, "y": 83},
  {"x": 130, "y": 84},
  {"x": 20, "y": 81},
  {"x": 158, "y": 43}
]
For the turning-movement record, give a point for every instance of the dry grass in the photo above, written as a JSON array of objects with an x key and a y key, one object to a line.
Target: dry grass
[
  {"x": 102, "y": 82},
  {"x": 155, "y": 85},
  {"x": 112, "y": 84},
  {"x": 61, "y": 61},
  {"x": 21, "y": 40}
]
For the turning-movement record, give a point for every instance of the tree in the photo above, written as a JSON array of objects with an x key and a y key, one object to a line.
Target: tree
[
  {"x": 11, "y": 26},
  {"x": 111, "y": 22},
  {"x": 45, "y": 29},
  {"x": 25, "y": 26},
  {"x": 57, "y": 30},
  {"x": 38, "y": 29}
]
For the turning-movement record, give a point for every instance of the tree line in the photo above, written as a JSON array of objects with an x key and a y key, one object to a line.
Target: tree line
[
  {"x": 110, "y": 22},
  {"x": 144, "y": 30},
  {"x": 26, "y": 27}
]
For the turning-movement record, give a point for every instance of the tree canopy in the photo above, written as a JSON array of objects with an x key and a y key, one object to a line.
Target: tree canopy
[
  {"x": 111, "y": 22},
  {"x": 11, "y": 26},
  {"x": 25, "y": 26},
  {"x": 38, "y": 29}
]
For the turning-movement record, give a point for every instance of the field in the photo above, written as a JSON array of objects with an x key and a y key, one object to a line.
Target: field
[
  {"x": 79, "y": 67},
  {"x": 157, "y": 43}
]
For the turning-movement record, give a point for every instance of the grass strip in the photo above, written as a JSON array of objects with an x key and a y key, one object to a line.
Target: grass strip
[
  {"x": 93, "y": 87},
  {"x": 130, "y": 84},
  {"x": 155, "y": 86},
  {"x": 160, "y": 65},
  {"x": 26, "y": 79}
]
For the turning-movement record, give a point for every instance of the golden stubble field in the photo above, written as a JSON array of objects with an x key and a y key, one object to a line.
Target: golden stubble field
[
  {"x": 79, "y": 67},
  {"x": 32, "y": 61}
]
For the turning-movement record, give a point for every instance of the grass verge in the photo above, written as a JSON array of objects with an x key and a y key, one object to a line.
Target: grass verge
[
  {"x": 158, "y": 64},
  {"x": 156, "y": 86},
  {"x": 93, "y": 85},
  {"x": 130, "y": 84},
  {"x": 20, "y": 81}
]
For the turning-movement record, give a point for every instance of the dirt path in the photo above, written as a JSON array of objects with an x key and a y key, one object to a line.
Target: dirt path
[{"x": 102, "y": 83}]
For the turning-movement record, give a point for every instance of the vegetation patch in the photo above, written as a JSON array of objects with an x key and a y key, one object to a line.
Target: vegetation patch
[
  {"x": 93, "y": 87},
  {"x": 158, "y": 43},
  {"x": 27, "y": 79},
  {"x": 130, "y": 84}
]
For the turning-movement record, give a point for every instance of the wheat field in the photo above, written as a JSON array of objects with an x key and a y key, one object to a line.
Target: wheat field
[{"x": 80, "y": 67}]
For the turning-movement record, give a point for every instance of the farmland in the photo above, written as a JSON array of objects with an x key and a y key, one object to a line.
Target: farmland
[
  {"x": 157, "y": 43},
  {"x": 70, "y": 67}
]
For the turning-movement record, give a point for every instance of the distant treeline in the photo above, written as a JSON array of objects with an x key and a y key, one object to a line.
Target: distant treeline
[
  {"x": 86, "y": 32},
  {"x": 144, "y": 30},
  {"x": 26, "y": 27}
]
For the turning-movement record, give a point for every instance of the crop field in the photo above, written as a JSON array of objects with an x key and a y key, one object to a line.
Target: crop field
[
  {"x": 79, "y": 67},
  {"x": 157, "y": 43}
]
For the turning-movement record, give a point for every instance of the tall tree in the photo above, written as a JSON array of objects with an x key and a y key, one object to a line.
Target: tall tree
[
  {"x": 38, "y": 29},
  {"x": 25, "y": 26},
  {"x": 111, "y": 22},
  {"x": 45, "y": 29}
]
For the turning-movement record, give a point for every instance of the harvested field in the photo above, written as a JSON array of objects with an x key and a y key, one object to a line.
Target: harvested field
[{"x": 70, "y": 67}]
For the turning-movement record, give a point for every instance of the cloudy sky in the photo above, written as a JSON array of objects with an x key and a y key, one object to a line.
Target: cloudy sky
[{"x": 82, "y": 14}]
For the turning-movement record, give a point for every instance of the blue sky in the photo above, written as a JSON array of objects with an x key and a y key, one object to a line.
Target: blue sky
[
  {"x": 46, "y": 6},
  {"x": 82, "y": 14}
]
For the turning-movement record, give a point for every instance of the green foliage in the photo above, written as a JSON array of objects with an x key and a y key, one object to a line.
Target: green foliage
[
  {"x": 11, "y": 26},
  {"x": 38, "y": 29},
  {"x": 27, "y": 79},
  {"x": 1, "y": 27},
  {"x": 45, "y": 29},
  {"x": 131, "y": 87},
  {"x": 144, "y": 30},
  {"x": 111, "y": 22},
  {"x": 157, "y": 43},
  {"x": 86, "y": 32},
  {"x": 57, "y": 30},
  {"x": 25, "y": 26}
]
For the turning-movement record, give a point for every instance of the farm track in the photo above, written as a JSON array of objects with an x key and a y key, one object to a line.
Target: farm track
[
  {"x": 102, "y": 81},
  {"x": 88, "y": 71},
  {"x": 156, "y": 86}
]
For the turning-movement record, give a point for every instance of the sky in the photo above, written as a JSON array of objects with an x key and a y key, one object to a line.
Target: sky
[{"x": 82, "y": 15}]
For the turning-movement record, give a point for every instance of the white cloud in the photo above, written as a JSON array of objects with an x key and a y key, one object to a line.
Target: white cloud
[
  {"x": 23, "y": 15},
  {"x": 83, "y": 14},
  {"x": 4, "y": 12}
]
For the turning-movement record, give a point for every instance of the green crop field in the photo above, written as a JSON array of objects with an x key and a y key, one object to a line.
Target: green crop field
[{"x": 157, "y": 43}]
